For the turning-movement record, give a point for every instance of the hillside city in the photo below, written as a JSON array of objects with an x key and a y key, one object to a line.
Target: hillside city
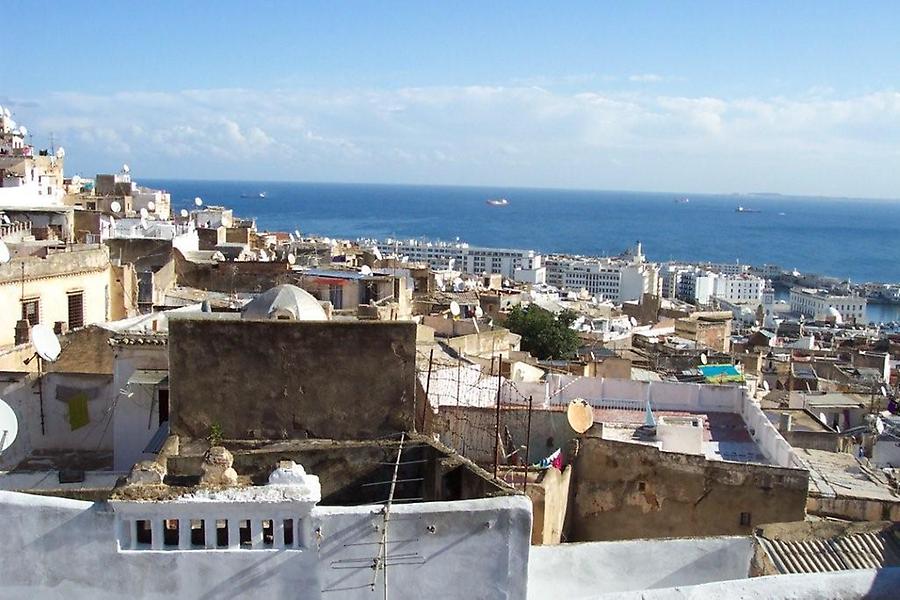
[{"x": 273, "y": 414}]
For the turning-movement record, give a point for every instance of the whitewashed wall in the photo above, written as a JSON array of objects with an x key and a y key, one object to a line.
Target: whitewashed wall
[{"x": 60, "y": 548}]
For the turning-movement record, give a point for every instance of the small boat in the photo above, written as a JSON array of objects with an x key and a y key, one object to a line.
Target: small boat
[
  {"x": 741, "y": 209},
  {"x": 498, "y": 201},
  {"x": 682, "y": 200},
  {"x": 262, "y": 194},
  {"x": 259, "y": 195}
]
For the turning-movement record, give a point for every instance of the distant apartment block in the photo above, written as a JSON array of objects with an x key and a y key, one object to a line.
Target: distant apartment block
[
  {"x": 523, "y": 265},
  {"x": 819, "y": 304}
]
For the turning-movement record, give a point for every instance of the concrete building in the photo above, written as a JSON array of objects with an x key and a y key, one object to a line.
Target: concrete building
[
  {"x": 523, "y": 265},
  {"x": 618, "y": 279},
  {"x": 65, "y": 287},
  {"x": 821, "y": 305},
  {"x": 28, "y": 177}
]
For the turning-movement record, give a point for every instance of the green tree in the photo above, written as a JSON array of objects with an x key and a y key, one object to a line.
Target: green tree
[{"x": 543, "y": 334}]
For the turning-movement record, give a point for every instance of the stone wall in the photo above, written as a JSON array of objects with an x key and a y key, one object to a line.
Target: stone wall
[
  {"x": 627, "y": 491},
  {"x": 230, "y": 276},
  {"x": 291, "y": 380}
]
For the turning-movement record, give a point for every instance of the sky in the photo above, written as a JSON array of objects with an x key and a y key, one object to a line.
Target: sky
[{"x": 790, "y": 97}]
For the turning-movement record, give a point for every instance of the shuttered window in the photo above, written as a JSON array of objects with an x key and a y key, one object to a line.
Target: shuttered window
[
  {"x": 31, "y": 311},
  {"x": 76, "y": 310}
]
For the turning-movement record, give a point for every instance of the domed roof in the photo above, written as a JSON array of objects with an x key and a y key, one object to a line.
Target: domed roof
[{"x": 285, "y": 302}]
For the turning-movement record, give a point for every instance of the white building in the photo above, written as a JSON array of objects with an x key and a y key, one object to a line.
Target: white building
[
  {"x": 703, "y": 286},
  {"x": 618, "y": 279},
  {"x": 818, "y": 304},
  {"x": 27, "y": 178},
  {"x": 509, "y": 262}
]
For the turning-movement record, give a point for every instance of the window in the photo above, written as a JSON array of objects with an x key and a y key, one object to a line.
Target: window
[
  {"x": 745, "y": 518},
  {"x": 31, "y": 311},
  {"x": 144, "y": 532},
  {"x": 76, "y": 310},
  {"x": 198, "y": 532},
  {"x": 163, "y": 396},
  {"x": 289, "y": 533},
  {"x": 170, "y": 532}
]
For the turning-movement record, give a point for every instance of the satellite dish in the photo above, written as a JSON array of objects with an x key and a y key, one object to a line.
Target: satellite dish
[
  {"x": 151, "y": 206},
  {"x": 185, "y": 213},
  {"x": 377, "y": 253},
  {"x": 297, "y": 233},
  {"x": 76, "y": 180},
  {"x": 365, "y": 270},
  {"x": 198, "y": 201},
  {"x": 9, "y": 426},
  {"x": 823, "y": 418},
  {"x": 263, "y": 256},
  {"x": 580, "y": 415},
  {"x": 291, "y": 258},
  {"x": 879, "y": 425},
  {"x": 479, "y": 312},
  {"x": 703, "y": 358},
  {"x": 4, "y": 253},
  {"x": 454, "y": 308},
  {"x": 45, "y": 342},
  {"x": 291, "y": 237},
  {"x": 60, "y": 152},
  {"x": 884, "y": 391},
  {"x": 126, "y": 168},
  {"x": 23, "y": 131},
  {"x": 115, "y": 206},
  {"x": 633, "y": 321},
  {"x": 765, "y": 385},
  {"x": 6, "y": 219},
  {"x": 144, "y": 224},
  {"x": 6, "y": 112},
  {"x": 144, "y": 213},
  {"x": 459, "y": 285}
]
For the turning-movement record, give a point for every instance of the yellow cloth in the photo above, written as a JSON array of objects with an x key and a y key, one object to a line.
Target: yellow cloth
[{"x": 78, "y": 411}]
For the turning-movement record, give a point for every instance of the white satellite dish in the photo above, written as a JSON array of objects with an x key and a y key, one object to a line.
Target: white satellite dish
[
  {"x": 126, "y": 168},
  {"x": 45, "y": 342},
  {"x": 60, "y": 152},
  {"x": 765, "y": 385},
  {"x": 4, "y": 253},
  {"x": 297, "y": 233},
  {"x": 458, "y": 285},
  {"x": 703, "y": 358},
  {"x": 454, "y": 308},
  {"x": 144, "y": 213},
  {"x": 115, "y": 206},
  {"x": 23, "y": 131},
  {"x": 823, "y": 418},
  {"x": 291, "y": 258},
  {"x": 479, "y": 312},
  {"x": 365, "y": 270},
  {"x": 633, "y": 321},
  {"x": 884, "y": 391},
  {"x": 263, "y": 256},
  {"x": 879, "y": 425},
  {"x": 6, "y": 112},
  {"x": 151, "y": 206},
  {"x": 198, "y": 201},
  {"x": 76, "y": 180},
  {"x": 580, "y": 415},
  {"x": 185, "y": 213},
  {"x": 9, "y": 426},
  {"x": 6, "y": 219},
  {"x": 144, "y": 224},
  {"x": 377, "y": 253}
]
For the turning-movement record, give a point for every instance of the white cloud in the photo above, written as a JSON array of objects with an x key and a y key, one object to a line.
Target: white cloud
[
  {"x": 646, "y": 78},
  {"x": 513, "y": 135}
]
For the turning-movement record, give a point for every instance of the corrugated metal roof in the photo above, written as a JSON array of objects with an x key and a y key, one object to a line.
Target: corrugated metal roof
[{"x": 872, "y": 550}]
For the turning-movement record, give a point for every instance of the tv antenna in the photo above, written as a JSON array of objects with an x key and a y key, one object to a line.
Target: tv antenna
[{"x": 9, "y": 426}]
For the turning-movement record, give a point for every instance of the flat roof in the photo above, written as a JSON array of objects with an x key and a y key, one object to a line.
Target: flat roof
[{"x": 838, "y": 474}]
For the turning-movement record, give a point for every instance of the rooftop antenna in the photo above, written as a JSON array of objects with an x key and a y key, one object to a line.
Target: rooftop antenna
[
  {"x": 46, "y": 347},
  {"x": 9, "y": 426}
]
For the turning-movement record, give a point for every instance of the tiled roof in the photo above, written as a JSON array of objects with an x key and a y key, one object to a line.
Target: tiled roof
[
  {"x": 872, "y": 550},
  {"x": 139, "y": 339}
]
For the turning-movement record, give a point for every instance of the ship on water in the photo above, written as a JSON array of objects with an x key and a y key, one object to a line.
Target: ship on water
[
  {"x": 498, "y": 201},
  {"x": 742, "y": 209}
]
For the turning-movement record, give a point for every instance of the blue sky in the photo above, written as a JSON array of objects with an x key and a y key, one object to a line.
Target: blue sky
[{"x": 796, "y": 97}]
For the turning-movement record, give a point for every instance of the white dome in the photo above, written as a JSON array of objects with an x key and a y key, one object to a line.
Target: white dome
[{"x": 285, "y": 302}]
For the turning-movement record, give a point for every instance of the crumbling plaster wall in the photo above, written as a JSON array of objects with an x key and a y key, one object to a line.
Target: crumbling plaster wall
[
  {"x": 291, "y": 380},
  {"x": 627, "y": 491}
]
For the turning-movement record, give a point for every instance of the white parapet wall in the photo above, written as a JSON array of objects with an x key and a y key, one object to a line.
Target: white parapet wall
[
  {"x": 586, "y": 570},
  {"x": 62, "y": 548}
]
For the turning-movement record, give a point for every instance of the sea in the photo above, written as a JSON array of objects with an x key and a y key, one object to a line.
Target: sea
[{"x": 840, "y": 237}]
